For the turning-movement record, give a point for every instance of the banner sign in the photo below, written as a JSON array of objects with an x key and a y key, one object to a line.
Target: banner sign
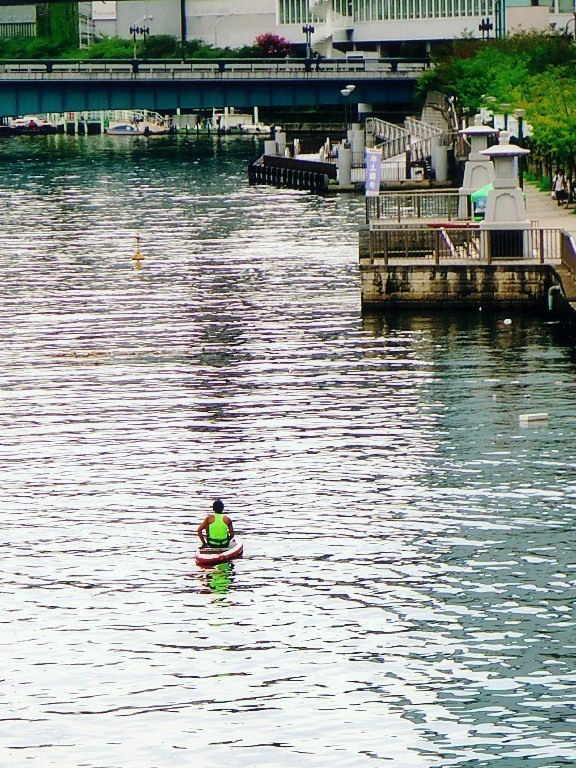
[
  {"x": 104, "y": 10},
  {"x": 373, "y": 171}
]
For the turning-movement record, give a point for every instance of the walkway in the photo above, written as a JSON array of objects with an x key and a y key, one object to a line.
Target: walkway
[{"x": 546, "y": 213}]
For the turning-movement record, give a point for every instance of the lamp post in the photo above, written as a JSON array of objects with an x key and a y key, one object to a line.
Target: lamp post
[
  {"x": 345, "y": 93},
  {"x": 308, "y": 30},
  {"x": 135, "y": 29},
  {"x": 485, "y": 27},
  {"x": 218, "y": 20},
  {"x": 519, "y": 115}
]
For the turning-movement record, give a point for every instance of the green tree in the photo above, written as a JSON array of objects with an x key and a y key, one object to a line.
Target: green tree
[{"x": 58, "y": 22}]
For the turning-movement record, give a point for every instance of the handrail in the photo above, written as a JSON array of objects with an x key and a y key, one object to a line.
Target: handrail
[
  {"x": 445, "y": 242},
  {"x": 392, "y": 67}
]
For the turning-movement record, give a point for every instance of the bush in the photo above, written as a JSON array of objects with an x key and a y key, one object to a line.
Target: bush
[{"x": 273, "y": 45}]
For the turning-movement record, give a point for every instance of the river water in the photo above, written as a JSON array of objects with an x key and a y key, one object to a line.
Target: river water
[{"x": 407, "y": 592}]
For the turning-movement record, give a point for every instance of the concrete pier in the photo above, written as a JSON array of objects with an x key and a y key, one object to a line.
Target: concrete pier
[{"x": 435, "y": 264}]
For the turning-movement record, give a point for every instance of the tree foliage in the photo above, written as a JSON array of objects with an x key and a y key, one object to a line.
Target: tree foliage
[
  {"x": 58, "y": 22},
  {"x": 533, "y": 71},
  {"x": 273, "y": 46}
]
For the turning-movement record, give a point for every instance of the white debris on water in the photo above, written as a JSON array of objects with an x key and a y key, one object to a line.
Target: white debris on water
[{"x": 526, "y": 418}]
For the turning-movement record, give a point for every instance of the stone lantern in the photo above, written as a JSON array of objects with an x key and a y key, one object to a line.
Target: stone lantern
[
  {"x": 478, "y": 170},
  {"x": 505, "y": 216}
]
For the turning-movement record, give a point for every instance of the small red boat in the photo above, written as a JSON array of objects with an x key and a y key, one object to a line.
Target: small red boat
[{"x": 207, "y": 556}]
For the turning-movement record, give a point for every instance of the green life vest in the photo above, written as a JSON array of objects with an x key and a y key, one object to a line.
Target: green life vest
[{"x": 218, "y": 533}]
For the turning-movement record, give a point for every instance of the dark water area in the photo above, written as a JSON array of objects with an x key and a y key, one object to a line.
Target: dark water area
[{"x": 407, "y": 592}]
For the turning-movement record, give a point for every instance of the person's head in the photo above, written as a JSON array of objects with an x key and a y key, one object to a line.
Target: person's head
[{"x": 218, "y": 506}]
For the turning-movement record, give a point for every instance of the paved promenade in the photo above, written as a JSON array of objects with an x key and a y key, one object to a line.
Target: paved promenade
[{"x": 546, "y": 213}]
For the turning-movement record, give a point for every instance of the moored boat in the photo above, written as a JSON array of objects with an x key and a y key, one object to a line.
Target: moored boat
[
  {"x": 31, "y": 124},
  {"x": 138, "y": 123},
  {"x": 207, "y": 556},
  {"x": 255, "y": 129}
]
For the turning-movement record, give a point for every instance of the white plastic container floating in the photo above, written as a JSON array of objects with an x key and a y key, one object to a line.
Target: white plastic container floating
[{"x": 526, "y": 418}]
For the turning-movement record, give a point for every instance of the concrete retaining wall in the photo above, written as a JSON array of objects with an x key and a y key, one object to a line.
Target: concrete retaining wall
[{"x": 455, "y": 285}]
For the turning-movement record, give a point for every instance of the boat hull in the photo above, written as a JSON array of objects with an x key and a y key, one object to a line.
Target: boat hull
[{"x": 207, "y": 556}]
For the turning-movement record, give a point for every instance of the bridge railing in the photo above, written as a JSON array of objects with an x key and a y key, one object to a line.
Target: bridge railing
[{"x": 217, "y": 68}]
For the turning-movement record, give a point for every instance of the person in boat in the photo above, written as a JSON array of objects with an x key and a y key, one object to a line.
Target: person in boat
[{"x": 217, "y": 529}]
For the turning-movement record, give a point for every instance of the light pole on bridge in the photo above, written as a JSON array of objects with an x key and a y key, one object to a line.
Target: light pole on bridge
[
  {"x": 137, "y": 30},
  {"x": 308, "y": 30}
]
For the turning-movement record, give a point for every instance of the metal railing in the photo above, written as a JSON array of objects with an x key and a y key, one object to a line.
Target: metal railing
[
  {"x": 390, "y": 172},
  {"x": 441, "y": 243},
  {"x": 257, "y": 69},
  {"x": 568, "y": 253},
  {"x": 9, "y": 29},
  {"x": 412, "y": 205}
]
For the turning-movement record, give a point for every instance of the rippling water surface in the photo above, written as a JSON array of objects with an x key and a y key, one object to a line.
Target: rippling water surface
[{"x": 407, "y": 591}]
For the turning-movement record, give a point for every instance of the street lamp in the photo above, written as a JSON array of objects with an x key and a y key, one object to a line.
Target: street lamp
[
  {"x": 485, "y": 27},
  {"x": 308, "y": 30},
  {"x": 218, "y": 20},
  {"x": 345, "y": 93},
  {"x": 506, "y": 110},
  {"x": 519, "y": 115},
  {"x": 137, "y": 30}
]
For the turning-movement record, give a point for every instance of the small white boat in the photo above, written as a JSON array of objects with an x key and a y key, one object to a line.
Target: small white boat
[
  {"x": 258, "y": 129},
  {"x": 138, "y": 123},
  {"x": 31, "y": 124}
]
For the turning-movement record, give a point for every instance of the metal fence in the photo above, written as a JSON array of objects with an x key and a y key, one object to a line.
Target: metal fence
[
  {"x": 568, "y": 253},
  {"x": 439, "y": 243},
  {"x": 412, "y": 205},
  {"x": 9, "y": 29},
  {"x": 390, "y": 172}
]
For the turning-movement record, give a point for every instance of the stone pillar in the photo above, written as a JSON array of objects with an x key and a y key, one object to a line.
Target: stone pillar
[
  {"x": 439, "y": 159},
  {"x": 270, "y": 147},
  {"x": 479, "y": 170},
  {"x": 505, "y": 218},
  {"x": 344, "y": 165},
  {"x": 357, "y": 138},
  {"x": 281, "y": 142}
]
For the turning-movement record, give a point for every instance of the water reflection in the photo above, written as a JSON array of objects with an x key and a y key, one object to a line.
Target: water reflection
[{"x": 220, "y": 578}]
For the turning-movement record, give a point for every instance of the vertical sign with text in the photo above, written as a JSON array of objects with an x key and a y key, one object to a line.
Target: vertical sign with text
[{"x": 373, "y": 171}]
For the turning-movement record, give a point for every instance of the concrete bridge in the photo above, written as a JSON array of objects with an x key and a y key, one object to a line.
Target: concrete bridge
[{"x": 32, "y": 87}]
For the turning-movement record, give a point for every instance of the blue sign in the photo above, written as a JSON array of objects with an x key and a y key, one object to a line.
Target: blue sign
[{"x": 373, "y": 172}]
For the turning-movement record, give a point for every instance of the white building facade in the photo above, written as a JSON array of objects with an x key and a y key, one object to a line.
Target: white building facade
[{"x": 376, "y": 27}]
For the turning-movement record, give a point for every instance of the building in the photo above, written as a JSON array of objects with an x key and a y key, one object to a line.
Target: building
[
  {"x": 376, "y": 27},
  {"x": 341, "y": 27}
]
